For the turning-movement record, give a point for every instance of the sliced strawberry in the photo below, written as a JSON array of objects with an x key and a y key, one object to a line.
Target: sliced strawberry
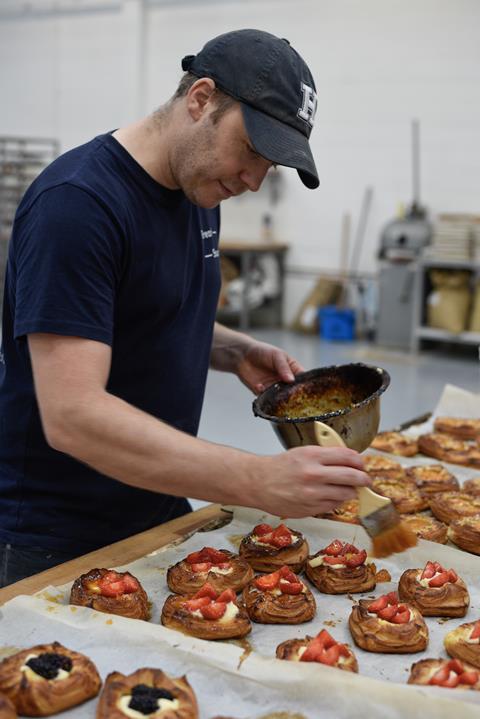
[
  {"x": 201, "y": 567},
  {"x": 378, "y": 604},
  {"x": 326, "y": 639},
  {"x": 475, "y": 631},
  {"x": 338, "y": 559},
  {"x": 287, "y": 574},
  {"x": 313, "y": 651},
  {"x": 281, "y": 541},
  {"x": 291, "y": 587},
  {"x": 228, "y": 595},
  {"x": 214, "y": 610},
  {"x": 267, "y": 538},
  {"x": 355, "y": 560},
  {"x": 267, "y": 582},
  {"x": 349, "y": 549},
  {"x": 439, "y": 580},
  {"x": 262, "y": 529},
  {"x": 112, "y": 589},
  {"x": 334, "y": 548},
  {"x": 452, "y": 681},
  {"x": 224, "y": 565},
  {"x": 215, "y": 556},
  {"x": 197, "y": 603},
  {"x": 388, "y": 613},
  {"x": 111, "y": 576},
  {"x": 429, "y": 571},
  {"x": 440, "y": 676},
  {"x": 455, "y": 665},
  {"x": 470, "y": 678},
  {"x": 452, "y": 576},
  {"x": 197, "y": 557},
  {"x": 206, "y": 591},
  {"x": 401, "y": 617},
  {"x": 130, "y": 584},
  {"x": 330, "y": 656},
  {"x": 392, "y": 598}
]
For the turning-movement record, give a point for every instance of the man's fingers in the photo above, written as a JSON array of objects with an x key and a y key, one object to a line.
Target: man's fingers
[
  {"x": 340, "y": 456},
  {"x": 337, "y": 492},
  {"x": 342, "y": 475}
]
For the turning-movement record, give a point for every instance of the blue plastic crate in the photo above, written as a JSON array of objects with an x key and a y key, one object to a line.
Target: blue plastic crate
[{"x": 336, "y": 323}]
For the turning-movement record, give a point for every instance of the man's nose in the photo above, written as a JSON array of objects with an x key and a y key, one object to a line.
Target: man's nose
[{"x": 253, "y": 176}]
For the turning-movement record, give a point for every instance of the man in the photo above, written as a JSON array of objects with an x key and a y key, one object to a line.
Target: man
[{"x": 108, "y": 329}]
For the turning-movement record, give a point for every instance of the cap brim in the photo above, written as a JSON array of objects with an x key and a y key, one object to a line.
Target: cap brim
[{"x": 281, "y": 144}]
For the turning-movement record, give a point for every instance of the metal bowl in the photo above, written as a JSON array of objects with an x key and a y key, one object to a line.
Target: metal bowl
[{"x": 346, "y": 397}]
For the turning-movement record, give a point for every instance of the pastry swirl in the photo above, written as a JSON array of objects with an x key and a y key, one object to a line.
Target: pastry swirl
[
  {"x": 7, "y": 710},
  {"x": 347, "y": 512},
  {"x": 323, "y": 649},
  {"x": 267, "y": 549},
  {"x": 465, "y": 533},
  {"x": 459, "y": 428},
  {"x": 464, "y": 643},
  {"x": 47, "y": 679},
  {"x": 435, "y": 592},
  {"x": 172, "y": 698},
  {"x": 472, "y": 486},
  {"x": 106, "y": 590},
  {"x": 403, "y": 493},
  {"x": 426, "y": 527},
  {"x": 448, "y": 673},
  {"x": 220, "y": 568},
  {"x": 375, "y": 634},
  {"x": 395, "y": 443},
  {"x": 449, "y": 506},
  {"x": 377, "y": 466},
  {"x": 207, "y": 614},
  {"x": 432, "y": 478},
  {"x": 448, "y": 449},
  {"x": 279, "y": 598},
  {"x": 340, "y": 568}
]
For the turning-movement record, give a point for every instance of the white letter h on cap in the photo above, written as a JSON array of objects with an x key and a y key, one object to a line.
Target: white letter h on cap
[{"x": 309, "y": 104}]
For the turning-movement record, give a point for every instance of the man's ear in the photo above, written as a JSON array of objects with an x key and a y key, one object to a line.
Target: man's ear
[{"x": 199, "y": 96}]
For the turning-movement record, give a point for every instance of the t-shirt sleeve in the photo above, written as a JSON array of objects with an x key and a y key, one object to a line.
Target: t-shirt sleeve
[{"x": 69, "y": 257}]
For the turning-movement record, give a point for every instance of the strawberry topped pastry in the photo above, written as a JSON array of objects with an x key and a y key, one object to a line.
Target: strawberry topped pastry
[
  {"x": 107, "y": 590},
  {"x": 323, "y": 649},
  {"x": 219, "y": 567},
  {"x": 435, "y": 591},
  {"x": 279, "y": 598},
  {"x": 464, "y": 643},
  {"x": 267, "y": 548},
  {"x": 448, "y": 673},
  {"x": 341, "y": 568},
  {"x": 208, "y": 614},
  {"x": 388, "y": 626}
]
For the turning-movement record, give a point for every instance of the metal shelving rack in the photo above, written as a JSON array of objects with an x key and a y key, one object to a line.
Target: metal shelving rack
[{"x": 420, "y": 330}]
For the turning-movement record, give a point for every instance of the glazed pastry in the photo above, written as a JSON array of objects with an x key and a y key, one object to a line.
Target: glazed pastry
[
  {"x": 448, "y": 449},
  {"x": 323, "y": 649},
  {"x": 340, "y": 568},
  {"x": 448, "y": 673},
  {"x": 267, "y": 549},
  {"x": 377, "y": 466},
  {"x": 147, "y": 692},
  {"x": 464, "y": 643},
  {"x": 435, "y": 591},
  {"x": 7, "y": 710},
  {"x": 472, "y": 486},
  {"x": 432, "y": 478},
  {"x": 403, "y": 493},
  {"x": 448, "y": 506},
  {"x": 426, "y": 527},
  {"x": 113, "y": 592},
  {"x": 208, "y": 614},
  {"x": 347, "y": 511},
  {"x": 387, "y": 627},
  {"x": 48, "y": 678},
  {"x": 279, "y": 598},
  {"x": 395, "y": 443},
  {"x": 219, "y": 567},
  {"x": 460, "y": 428},
  {"x": 465, "y": 533}
]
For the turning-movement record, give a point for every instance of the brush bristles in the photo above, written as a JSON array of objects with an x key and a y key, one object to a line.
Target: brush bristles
[{"x": 396, "y": 539}]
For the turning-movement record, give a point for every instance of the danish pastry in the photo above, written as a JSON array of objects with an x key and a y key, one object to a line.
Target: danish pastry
[
  {"x": 448, "y": 449},
  {"x": 323, "y": 649},
  {"x": 47, "y": 679},
  {"x": 460, "y": 428},
  {"x": 208, "y": 614},
  {"x": 465, "y": 533},
  {"x": 347, "y": 511},
  {"x": 387, "y": 627},
  {"x": 147, "y": 692},
  {"x": 472, "y": 486},
  {"x": 267, "y": 549},
  {"x": 219, "y": 567},
  {"x": 113, "y": 592},
  {"x": 279, "y": 598},
  {"x": 377, "y": 466},
  {"x": 7, "y": 710},
  {"x": 464, "y": 643},
  {"x": 448, "y": 506},
  {"x": 449, "y": 673},
  {"x": 434, "y": 591},
  {"x": 432, "y": 478},
  {"x": 426, "y": 527},
  {"x": 395, "y": 443},
  {"x": 340, "y": 568},
  {"x": 403, "y": 493}
]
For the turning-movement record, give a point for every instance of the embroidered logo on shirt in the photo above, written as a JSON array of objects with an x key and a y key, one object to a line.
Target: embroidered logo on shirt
[{"x": 208, "y": 235}]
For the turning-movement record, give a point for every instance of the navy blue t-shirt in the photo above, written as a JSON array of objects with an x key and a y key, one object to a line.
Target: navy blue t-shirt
[{"x": 100, "y": 250}]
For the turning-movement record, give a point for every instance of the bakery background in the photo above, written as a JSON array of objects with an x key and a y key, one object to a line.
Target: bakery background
[{"x": 381, "y": 263}]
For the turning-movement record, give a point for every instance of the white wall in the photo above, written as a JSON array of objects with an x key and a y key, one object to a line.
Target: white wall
[{"x": 377, "y": 65}]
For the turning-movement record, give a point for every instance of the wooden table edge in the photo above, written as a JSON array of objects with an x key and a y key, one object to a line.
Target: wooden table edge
[{"x": 119, "y": 553}]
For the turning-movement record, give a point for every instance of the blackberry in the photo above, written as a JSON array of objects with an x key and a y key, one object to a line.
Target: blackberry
[
  {"x": 145, "y": 699},
  {"x": 48, "y": 664}
]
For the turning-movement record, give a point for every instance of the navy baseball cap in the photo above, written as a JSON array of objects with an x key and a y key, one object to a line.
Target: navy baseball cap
[{"x": 275, "y": 89}]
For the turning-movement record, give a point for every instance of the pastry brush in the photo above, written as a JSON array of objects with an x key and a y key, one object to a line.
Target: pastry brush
[{"x": 377, "y": 514}]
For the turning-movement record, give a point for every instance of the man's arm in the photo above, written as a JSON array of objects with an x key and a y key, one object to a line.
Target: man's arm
[{"x": 82, "y": 419}]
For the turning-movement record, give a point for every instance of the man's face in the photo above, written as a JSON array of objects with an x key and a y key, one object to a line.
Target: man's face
[{"x": 219, "y": 161}]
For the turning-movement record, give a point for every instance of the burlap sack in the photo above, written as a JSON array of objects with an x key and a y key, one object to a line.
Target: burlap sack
[
  {"x": 474, "y": 325},
  {"x": 449, "y": 302},
  {"x": 325, "y": 292}
]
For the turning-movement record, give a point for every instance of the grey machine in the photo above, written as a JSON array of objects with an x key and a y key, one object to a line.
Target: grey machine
[{"x": 401, "y": 244}]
